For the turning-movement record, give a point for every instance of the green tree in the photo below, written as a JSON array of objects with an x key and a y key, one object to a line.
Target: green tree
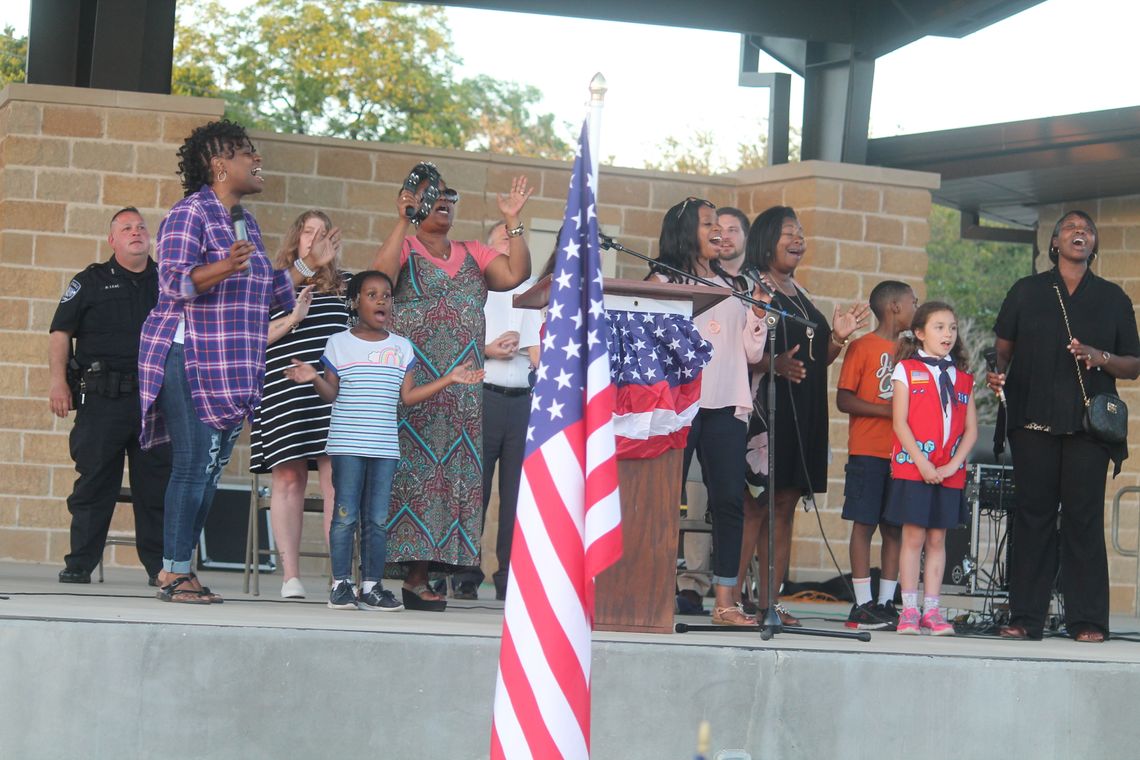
[
  {"x": 697, "y": 154},
  {"x": 354, "y": 68},
  {"x": 13, "y": 57},
  {"x": 973, "y": 277}
]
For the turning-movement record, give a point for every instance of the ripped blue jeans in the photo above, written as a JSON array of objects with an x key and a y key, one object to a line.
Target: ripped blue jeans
[{"x": 199, "y": 454}]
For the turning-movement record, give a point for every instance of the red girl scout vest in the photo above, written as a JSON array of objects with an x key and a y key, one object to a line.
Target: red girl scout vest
[{"x": 924, "y": 416}]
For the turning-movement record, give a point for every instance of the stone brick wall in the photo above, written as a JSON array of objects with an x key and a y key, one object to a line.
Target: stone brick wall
[{"x": 69, "y": 158}]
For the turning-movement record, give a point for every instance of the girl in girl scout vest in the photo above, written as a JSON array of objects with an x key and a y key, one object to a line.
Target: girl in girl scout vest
[{"x": 935, "y": 427}]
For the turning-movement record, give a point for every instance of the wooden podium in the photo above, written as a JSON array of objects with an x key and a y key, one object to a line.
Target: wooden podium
[{"x": 637, "y": 593}]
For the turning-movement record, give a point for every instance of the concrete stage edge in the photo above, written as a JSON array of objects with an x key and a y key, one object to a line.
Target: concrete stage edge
[{"x": 120, "y": 675}]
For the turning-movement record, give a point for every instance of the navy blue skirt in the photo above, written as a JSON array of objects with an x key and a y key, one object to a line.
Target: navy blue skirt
[{"x": 912, "y": 502}]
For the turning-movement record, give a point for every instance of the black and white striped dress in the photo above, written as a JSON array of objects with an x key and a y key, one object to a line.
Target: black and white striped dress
[{"x": 292, "y": 421}]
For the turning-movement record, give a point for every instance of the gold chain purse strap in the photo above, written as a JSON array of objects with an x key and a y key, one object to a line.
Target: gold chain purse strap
[{"x": 1069, "y": 330}]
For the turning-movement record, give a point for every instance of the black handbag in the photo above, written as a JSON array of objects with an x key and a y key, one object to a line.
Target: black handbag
[{"x": 1106, "y": 415}]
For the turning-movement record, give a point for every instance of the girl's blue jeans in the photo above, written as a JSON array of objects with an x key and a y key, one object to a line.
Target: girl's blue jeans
[{"x": 363, "y": 487}]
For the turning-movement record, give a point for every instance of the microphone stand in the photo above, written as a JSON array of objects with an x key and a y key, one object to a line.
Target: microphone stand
[{"x": 771, "y": 624}]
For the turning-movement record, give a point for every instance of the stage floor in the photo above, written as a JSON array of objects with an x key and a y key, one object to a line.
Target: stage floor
[
  {"x": 271, "y": 674},
  {"x": 34, "y": 593}
]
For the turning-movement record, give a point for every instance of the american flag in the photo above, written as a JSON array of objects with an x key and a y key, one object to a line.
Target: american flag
[
  {"x": 568, "y": 522},
  {"x": 656, "y": 361}
]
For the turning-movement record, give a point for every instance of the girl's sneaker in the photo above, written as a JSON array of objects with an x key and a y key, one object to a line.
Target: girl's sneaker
[
  {"x": 342, "y": 596},
  {"x": 380, "y": 599},
  {"x": 933, "y": 621},
  {"x": 908, "y": 622}
]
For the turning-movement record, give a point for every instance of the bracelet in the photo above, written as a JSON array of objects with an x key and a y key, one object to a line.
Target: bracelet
[
  {"x": 517, "y": 231},
  {"x": 303, "y": 268},
  {"x": 839, "y": 343}
]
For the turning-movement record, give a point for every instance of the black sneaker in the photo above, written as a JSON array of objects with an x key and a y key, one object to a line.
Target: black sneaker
[
  {"x": 865, "y": 617},
  {"x": 380, "y": 599},
  {"x": 889, "y": 613},
  {"x": 467, "y": 590},
  {"x": 342, "y": 596}
]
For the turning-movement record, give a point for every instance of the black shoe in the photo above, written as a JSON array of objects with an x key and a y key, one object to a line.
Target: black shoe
[
  {"x": 379, "y": 599},
  {"x": 74, "y": 575},
  {"x": 888, "y": 612},
  {"x": 152, "y": 580},
  {"x": 865, "y": 617},
  {"x": 467, "y": 591}
]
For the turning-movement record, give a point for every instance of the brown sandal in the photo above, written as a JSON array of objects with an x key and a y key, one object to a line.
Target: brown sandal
[
  {"x": 205, "y": 592},
  {"x": 173, "y": 593},
  {"x": 1090, "y": 636},
  {"x": 731, "y": 616}
]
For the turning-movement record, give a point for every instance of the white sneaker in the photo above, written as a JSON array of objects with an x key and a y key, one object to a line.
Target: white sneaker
[{"x": 292, "y": 589}]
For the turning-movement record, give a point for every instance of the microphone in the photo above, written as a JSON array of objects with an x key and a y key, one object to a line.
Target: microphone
[
  {"x": 605, "y": 241},
  {"x": 237, "y": 216},
  {"x": 990, "y": 355}
]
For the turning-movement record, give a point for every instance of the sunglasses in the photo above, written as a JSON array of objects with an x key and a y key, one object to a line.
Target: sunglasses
[
  {"x": 449, "y": 195},
  {"x": 694, "y": 200}
]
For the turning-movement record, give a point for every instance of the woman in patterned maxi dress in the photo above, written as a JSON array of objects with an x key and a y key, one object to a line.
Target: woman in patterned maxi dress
[{"x": 441, "y": 286}]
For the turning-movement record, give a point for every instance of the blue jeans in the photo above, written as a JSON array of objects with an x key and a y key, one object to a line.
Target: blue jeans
[
  {"x": 362, "y": 484},
  {"x": 199, "y": 454}
]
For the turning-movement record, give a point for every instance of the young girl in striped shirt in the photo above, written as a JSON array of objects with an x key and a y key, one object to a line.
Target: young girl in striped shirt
[{"x": 366, "y": 376}]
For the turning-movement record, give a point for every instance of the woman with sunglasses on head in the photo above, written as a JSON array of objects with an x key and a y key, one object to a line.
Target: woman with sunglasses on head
[
  {"x": 441, "y": 287},
  {"x": 202, "y": 348},
  {"x": 775, "y": 248},
  {"x": 690, "y": 241}
]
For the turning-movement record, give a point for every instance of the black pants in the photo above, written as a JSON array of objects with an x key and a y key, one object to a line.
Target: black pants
[
  {"x": 1066, "y": 471},
  {"x": 719, "y": 439},
  {"x": 505, "y": 421},
  {"x": 105, "y": 430}
]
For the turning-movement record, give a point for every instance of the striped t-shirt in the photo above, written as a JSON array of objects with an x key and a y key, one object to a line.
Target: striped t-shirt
[{"x": 364, "y": 413}]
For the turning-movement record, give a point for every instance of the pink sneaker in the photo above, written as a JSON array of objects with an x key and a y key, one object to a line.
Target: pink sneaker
[
  {"x": 933, "y": 621},
  {"x": 908, "y": 624}
]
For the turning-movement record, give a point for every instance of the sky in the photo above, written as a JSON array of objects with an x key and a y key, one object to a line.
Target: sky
[{"x": 1060, "y": 57}]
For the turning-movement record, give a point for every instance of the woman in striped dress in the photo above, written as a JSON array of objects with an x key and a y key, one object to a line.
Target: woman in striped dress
[{"x": 291, "y": 426}]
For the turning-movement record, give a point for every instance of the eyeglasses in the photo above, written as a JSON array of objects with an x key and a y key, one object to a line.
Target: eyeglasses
[{"x": 693, "y": 199}]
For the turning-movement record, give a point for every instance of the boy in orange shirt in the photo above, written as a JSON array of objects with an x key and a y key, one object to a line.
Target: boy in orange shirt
[{"x": 865, "y": 394}]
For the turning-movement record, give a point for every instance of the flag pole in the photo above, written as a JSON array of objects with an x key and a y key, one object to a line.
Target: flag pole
[{"x": 597, "y": 103}]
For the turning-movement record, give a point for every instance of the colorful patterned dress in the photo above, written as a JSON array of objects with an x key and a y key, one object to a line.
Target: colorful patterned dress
[{"x": 437, "y": 494}]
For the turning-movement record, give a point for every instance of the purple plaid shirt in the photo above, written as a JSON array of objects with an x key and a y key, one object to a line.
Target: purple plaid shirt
[{"x": 226, "y": 326}]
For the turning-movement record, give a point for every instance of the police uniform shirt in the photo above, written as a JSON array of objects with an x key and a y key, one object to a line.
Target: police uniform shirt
[{"x": 104, "y": 308}]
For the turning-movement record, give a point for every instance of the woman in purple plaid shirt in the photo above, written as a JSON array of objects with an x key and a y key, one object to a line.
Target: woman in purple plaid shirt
[{"x": 202, "y": 349}]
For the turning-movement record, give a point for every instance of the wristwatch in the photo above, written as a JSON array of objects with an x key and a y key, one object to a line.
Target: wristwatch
[{"x": 1106, "y": 356}]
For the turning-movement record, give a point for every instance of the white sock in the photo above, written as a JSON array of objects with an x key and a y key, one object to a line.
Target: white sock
[
  {"x": 366, "y": 586},
  {"x": 910, "y": 599},
  {"x": 930, "y": 603},
  {"x": 862, "y": 590},
  {"x": 887, "y": 590}
]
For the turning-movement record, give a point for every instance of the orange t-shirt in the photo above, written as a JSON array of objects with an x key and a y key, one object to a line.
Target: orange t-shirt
[{"x": 866, "y": 372}]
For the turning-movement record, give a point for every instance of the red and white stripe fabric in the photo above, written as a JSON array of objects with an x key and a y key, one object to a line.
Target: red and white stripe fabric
[{"x": 568, "y": 521}]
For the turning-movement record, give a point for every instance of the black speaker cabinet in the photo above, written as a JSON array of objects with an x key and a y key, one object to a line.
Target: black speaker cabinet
[{"x": 222, "y": 543}]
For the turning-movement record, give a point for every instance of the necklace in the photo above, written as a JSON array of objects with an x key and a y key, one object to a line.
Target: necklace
[
  {"x": 444, "y": 256},
  {"x": 795, "y": 301}
]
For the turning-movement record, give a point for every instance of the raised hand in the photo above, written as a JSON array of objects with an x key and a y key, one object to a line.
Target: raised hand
[
  {"x": 301, "y": 309},
  {"x": 466, "y": 374},
  {"x": 325, "y": 248},
  {"x": 511, "y": 204},
  {"x": 843, "y": 323},
  {"x": 301, "y": 372}
]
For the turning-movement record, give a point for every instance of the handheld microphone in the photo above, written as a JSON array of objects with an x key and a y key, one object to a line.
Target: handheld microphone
[
  {"x": 990, "y": 355},
  {"x": 237, "y": 216}
]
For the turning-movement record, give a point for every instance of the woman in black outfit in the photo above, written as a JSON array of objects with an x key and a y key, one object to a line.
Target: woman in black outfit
[
  {"x": 775, "y": 248},
  {"x": 1054, "y": 461}
]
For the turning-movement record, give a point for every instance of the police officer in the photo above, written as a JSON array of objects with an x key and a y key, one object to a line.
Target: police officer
[{"x": 103, "y": 310}]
